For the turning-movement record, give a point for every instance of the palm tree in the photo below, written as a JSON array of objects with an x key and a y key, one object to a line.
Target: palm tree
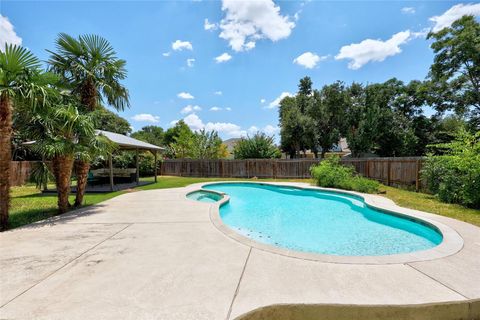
[
  {"x": 60, "y": 133},
  {"x": 88, "y": 64},
  {"x": 21, "y": 80}
]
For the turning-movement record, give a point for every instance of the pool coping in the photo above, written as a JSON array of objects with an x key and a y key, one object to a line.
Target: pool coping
[{"x": 451, "y": 244}]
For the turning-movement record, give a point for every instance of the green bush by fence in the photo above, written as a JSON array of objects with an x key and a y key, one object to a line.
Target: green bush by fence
[{"x": 332, "y": 174}]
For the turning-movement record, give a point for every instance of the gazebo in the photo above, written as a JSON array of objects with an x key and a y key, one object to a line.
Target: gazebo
[{"x": 129, "y": 143}]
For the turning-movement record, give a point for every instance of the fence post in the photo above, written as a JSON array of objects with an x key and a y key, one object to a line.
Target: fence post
[
  {"x": 388, "y": 172},
  {"x": 367, "y": 169},
  {"x": 417, "y": 176},
  {"x": 274, "y": 168}
]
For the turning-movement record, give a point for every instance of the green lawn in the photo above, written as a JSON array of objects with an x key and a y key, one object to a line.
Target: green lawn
[{"x": 29, "y": 205}]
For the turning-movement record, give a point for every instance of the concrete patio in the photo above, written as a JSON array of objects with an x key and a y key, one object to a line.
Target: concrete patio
[{"x": 157, "y": 255}]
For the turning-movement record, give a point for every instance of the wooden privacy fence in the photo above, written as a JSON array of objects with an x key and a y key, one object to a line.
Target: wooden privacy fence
[
  {"x": 391, "y": 171},
  {"x": 20, "y": 172}
]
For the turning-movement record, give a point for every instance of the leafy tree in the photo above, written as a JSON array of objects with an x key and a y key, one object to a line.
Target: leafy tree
[
  {"x": 21, "y": 82},
  {"x": 175, "y": 131},
  {"x": 107, "y": 120},
  {"x": 455, "y": 73},
  {"x": 293, "y": 127},
  {"x": 88, "y": 64},
  {"x": 183, "y": 142},
  {"x": 151, "y": 134},
  {"x": 454, "y": 177},
  {"x": 393, "y": 136},
  {"x": 327, "y": 115},
  {"x": 206, "y": 145},
  {"x": 361, "y": 121},
  {"x": 260, "y": 146}
]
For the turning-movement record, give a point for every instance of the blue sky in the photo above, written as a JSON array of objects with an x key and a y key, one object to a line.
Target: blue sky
[{"x": 245, "y": 57}]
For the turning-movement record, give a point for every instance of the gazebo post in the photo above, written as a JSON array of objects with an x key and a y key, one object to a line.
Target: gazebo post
[
  {"x": 138, "y": 167},
  {"x": 110, "y": 167},
  {"x": 155, "y": 166}
]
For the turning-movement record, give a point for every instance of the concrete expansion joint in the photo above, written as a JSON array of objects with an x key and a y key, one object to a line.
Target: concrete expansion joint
[
  {"x": 238, "y": 284},
  {"x": 441, "y": 283},
  {"x": 66, "y": 264}
]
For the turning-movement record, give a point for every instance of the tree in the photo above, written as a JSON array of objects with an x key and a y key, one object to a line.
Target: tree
[
  {"x": 182, "y": 144},
  {"x": 361, "y": 121},
  {"x": 174, "y": 132},
  {"x": 327, "y": 115},
  {"x": 21, "y": 81},
  {"x": 88, "y": 64},
  {"x": 206, "y": 145},
  {"x": 151, "y": 134},
  {"x": 60, "y": 133},
  {"x": 455, "y": 72},
  {"x": 260, "y": 146},
  {"x": 107, "y": 120},
  {"x": 393, "y": 134},
  {"x": 293, "y": 127}
]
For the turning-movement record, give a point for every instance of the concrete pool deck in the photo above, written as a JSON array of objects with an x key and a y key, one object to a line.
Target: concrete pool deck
[{"x": 157, "y": 255}]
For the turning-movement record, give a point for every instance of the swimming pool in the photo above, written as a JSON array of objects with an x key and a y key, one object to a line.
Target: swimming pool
[{"x": 317, "y": 221}]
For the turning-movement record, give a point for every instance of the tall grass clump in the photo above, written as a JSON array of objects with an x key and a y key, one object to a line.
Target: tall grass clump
[{"x": 330, "y": 173}]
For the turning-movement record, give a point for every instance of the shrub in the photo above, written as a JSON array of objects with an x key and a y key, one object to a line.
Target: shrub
[
  {"x": 455, "y": 177},
  {"x": 260, "y": 146},
  {"x": 331, "y": 174}
]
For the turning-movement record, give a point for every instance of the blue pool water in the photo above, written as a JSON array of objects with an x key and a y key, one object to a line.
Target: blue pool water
[{"x": 319, "y": 222}]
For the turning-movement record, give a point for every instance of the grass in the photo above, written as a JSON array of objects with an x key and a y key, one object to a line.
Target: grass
[
  {"x": 30, "y": 205},
  {"x": 429, "y": 203}
]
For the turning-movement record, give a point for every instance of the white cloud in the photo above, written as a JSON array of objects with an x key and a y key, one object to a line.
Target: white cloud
[
  {"x": 268, "y": 130},
  {"x": 230, "y": 129},
  {"x": 215, "y": 109},
  {"x": 218, "y": 93},
  {"x": 190, "y": 108},
  {"x": 373, "y": 50},
  {"x": 309, "y": 60},
  {"x": 262, "y": 101},
  {"x": 166, "y": 54},
  {"x": 194, "y": 122},
  {"x": 245, "y": 22},
  {"x": 185, "y": 95},
  {"x": 228, "y": 109},
  {"x": 190, "y": 62},
  {"x": 209, "y": 26},
  {"x": 408, "y": 10},
  {"x": 179, "y": 45},
  {"x": 7, "y": 33},
  {"x": 224, "y": 57},
  {"x": 271, "y": 130},
  {"x": 454, "y": 13},
  {"x": 276, "y": 102},
  {"x": 252, "y": 130},
  {"x": 146, "y": 117}
]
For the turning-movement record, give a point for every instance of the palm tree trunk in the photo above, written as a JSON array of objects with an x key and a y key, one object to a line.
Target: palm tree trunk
[
  {"x": 62, "y": 169},
  {"x": 81, "y": 168},
  {"x": 5, "y": 158}
]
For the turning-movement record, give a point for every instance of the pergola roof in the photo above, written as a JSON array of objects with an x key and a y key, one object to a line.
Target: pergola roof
[{"x": 128, "y": 142}]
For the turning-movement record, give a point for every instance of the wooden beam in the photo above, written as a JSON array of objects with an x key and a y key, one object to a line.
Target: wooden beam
[
  {"x": 155, "y": 166},
  {"x": 110, "y": 170},
  {"x": 417, "y": 175},
  {"x": 388, "y": 172},
  {"x": 137, "y": 164}
]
